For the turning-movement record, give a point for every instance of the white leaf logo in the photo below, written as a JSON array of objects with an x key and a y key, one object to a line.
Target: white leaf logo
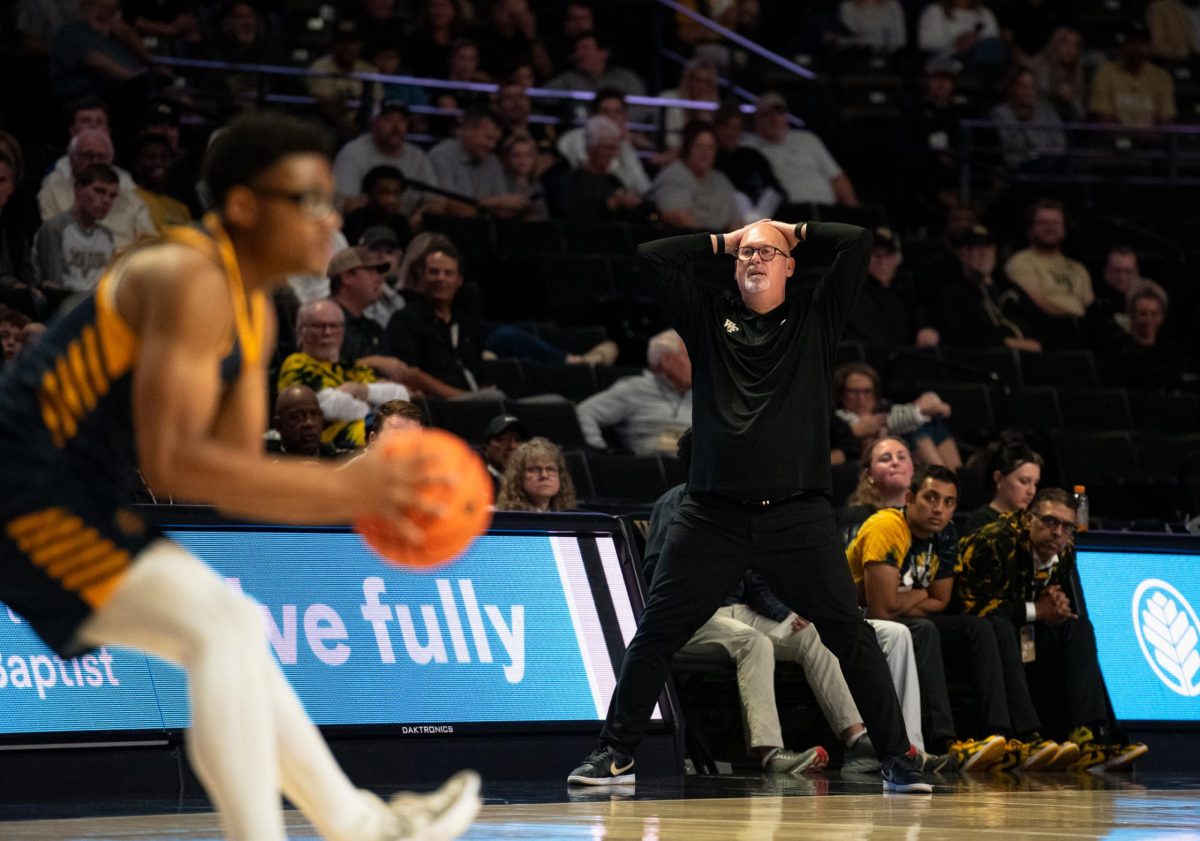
[{"x": 1168, "y": 631}]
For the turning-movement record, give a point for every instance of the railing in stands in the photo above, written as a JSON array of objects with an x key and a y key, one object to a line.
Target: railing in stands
[
  {"x": 417, "y": 81},
  {"x": 1093, "y": 153},
  {"x": 747, "y": 107},
  {"x": 740, "y": 40}
]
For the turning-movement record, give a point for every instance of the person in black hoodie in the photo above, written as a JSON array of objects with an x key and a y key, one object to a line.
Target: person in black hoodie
[{"x": 981, "y": 309}]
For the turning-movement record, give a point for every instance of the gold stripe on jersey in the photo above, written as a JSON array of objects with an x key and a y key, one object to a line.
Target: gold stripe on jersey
[
  {"x": 71, "y": 545},
  {"x": 249, "y": 311},
  {"x": 71, "y": 397},
  {"x": 118, "y": 344},
  {"x": 106, "y": 565},
  {"x": 29, "y": 523},
  {"x": 94, "y": 550},
  {"x": 95, "y": 362},
  {"x": 52, "y": 531},
  {"x": 70, "y": 551},
  {"x": 84, "y": 371},
  {"x": 79, "y": 372}
]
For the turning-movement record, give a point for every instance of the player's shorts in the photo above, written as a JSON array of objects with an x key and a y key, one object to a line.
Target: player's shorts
[{"x": 65, "y": 549}]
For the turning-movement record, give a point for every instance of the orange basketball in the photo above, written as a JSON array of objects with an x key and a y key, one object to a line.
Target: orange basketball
[{"x": 465, "y": 504}]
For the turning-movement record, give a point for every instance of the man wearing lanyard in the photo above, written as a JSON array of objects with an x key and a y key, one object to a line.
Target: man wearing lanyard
[
  {"x": 759, "y": 483},
  {"x": 1017, "y": 572}
]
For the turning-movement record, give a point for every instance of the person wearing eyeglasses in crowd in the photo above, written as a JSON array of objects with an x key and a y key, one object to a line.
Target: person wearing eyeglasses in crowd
[
  {"x": 536, "y": 478},
  {"x": 759, "y": 483},
  {"x": 1018, "y": 573}
]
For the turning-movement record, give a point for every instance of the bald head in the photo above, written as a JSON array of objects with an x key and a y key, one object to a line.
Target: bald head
[
  {"x": 90, "y": 146},
  {"x": 764, "y": 233},
  {"x": 299, "y": 420},
  {"x": 762, "y": 279}
]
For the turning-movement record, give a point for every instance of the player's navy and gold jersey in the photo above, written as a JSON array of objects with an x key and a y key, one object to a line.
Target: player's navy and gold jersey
[{"x": 68, "y": 453}]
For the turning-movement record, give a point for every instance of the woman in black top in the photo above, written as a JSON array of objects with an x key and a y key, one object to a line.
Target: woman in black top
[{"x": 1015, "y": 470}]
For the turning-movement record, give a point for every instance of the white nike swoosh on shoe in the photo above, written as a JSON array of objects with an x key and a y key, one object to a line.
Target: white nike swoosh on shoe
[{"x": 615, "y": 771}]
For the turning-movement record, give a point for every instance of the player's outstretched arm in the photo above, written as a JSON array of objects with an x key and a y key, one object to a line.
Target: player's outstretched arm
[{"x": 180, "y": 309}]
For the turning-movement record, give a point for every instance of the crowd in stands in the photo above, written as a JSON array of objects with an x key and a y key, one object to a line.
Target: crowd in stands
[{"x": 484, "y": 277}]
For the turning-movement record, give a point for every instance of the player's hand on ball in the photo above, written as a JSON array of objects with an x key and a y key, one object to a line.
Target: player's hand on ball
[{"x": 436, "y": 497}]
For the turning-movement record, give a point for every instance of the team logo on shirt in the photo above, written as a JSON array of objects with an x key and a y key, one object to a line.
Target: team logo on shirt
[
  {"x": 1166, "y": 628},
  {"x": 730, "y": 327}
]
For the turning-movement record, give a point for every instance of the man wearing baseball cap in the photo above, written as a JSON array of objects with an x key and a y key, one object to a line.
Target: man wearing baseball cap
[
  {"x": 1132, "y": 91},
  {"x": 385, "y": 144},
  {"x": 886, "y": 313},
  {"x": 501, "y": 437},
  {"x": 355, "y": 282},
  {"x": 801, "y": 162}
]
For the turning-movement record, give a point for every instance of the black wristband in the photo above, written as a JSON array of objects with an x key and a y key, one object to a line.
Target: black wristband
[
  {"x": 720, "y": 243},
  {"x": 799, "y": 232}
]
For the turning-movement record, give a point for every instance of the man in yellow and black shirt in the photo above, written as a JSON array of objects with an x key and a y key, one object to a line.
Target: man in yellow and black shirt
[
  {"x": 346, "y": 390},
  {"x": 1017, "y": 572}
]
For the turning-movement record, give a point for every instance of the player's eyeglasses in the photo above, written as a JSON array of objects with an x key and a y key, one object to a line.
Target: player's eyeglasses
[
  {"x": 765, "y": 252},
  {"x": 314, "y": 204}
]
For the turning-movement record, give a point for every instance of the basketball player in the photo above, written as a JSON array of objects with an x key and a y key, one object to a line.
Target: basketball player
[
  {"x": 759, "y": 482},
  {"x": 163, "y": 370}
]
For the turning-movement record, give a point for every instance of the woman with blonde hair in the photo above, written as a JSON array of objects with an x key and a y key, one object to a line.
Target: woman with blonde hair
[
  {"x": 1059, "y": 70},
  {"x": 537, "y": 479},
  {"x": 887, "y": 471},
  {"x": 699, "y": 81}
]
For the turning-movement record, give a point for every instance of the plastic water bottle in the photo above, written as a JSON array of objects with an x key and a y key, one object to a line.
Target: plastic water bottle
[{"x": 1081, "y": 508}]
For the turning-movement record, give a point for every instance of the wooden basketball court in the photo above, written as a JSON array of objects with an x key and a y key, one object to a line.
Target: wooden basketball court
[{"x": 1000, "y": 806}]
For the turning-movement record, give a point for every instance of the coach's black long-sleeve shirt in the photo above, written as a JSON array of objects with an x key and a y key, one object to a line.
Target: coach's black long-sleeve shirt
[{"x": 760, "y": 383}]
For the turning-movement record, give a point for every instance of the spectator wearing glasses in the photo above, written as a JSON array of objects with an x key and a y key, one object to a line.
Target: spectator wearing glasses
[
  {"x": 1017, "y": 572},
  {"x": 536, "y": 479},
  {"x": 346, "y": 391},
  {"x": 355, "y": 284},
  {"x": 858, "y": 392}
]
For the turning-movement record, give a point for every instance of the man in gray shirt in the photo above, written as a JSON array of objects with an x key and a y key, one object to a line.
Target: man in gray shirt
[
  {"x": 71, "y": 249},
  {"x": 467, "y": 165},
  {"x": 648, "y": 413},
  {"x": 386, "y": 143},
  {"x": 592, "y": 72}
]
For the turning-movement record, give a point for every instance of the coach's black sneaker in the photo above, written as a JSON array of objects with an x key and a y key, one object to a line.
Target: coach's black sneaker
[
  {"x": 902, "y": 774},
  {"x": 604, "y": 766}
]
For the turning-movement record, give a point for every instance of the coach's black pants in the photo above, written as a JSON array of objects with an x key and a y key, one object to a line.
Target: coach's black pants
[{"x": 795, "y": 546}]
